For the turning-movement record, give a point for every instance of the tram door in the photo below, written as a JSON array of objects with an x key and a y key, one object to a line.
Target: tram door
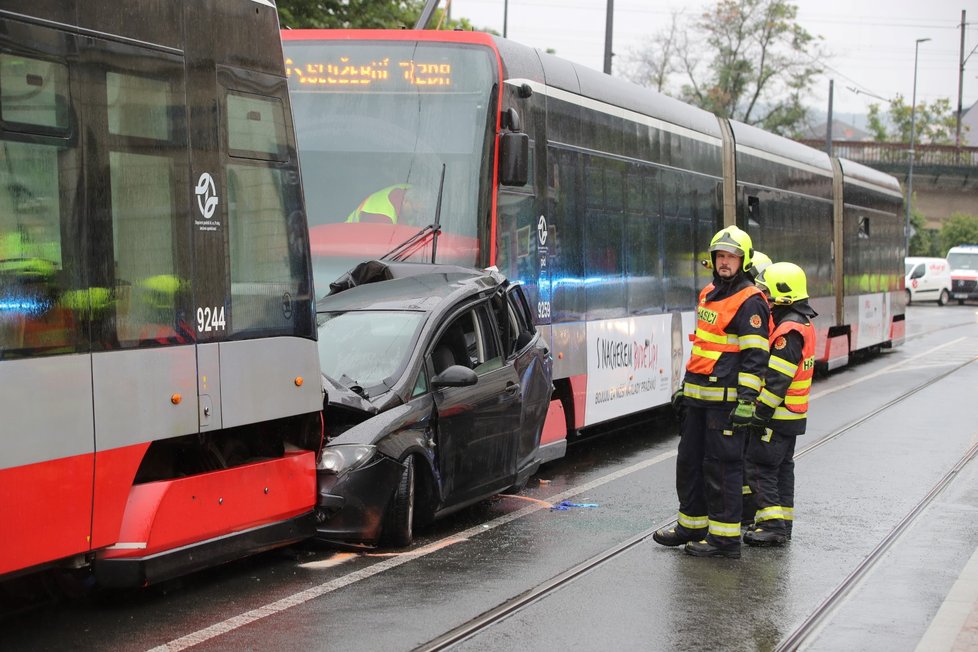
[
  {"x": 144, "y": 365},
  {"x": 525, "y": 232}
]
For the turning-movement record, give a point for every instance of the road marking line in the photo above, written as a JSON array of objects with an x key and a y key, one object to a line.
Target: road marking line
[{"x": 296, "y": 599}]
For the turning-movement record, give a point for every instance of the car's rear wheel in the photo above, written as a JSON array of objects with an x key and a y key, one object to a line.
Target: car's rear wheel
[
  {"x": 399, "y": 520},
  {"x": 944, "y": 298},
  {"x": 907, "y": 292}
]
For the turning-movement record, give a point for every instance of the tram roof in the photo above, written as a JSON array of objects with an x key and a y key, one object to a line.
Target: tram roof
[
  {"x": 866, "y": 174},
  {"x": 523, "y": 62}
]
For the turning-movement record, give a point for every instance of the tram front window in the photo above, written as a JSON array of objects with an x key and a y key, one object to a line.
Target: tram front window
[{"x": 375, "y": 124}]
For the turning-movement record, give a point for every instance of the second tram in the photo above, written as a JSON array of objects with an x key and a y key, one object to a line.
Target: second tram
[{"x": 598, "y": 195}]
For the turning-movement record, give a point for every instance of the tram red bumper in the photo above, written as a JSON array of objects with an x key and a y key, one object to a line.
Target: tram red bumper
[{"x": 178, "y": 526}]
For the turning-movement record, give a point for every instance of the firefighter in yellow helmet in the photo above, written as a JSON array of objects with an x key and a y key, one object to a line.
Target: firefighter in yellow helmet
[
  {"x": 760, "y": 262},
  {"x": 782, "y": 406},
  {"x": 716, "y": 402}
]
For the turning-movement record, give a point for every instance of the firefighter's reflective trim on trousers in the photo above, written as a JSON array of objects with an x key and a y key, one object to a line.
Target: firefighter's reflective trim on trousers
[
  {"x": 704, "y": 393},
  {"x": 782, "y": 366},
  {"x": 766, "y": 437},
  {"x": 745, "y": 490},
  {"x": 730, "y": 530},
  {"x": 749, "y": 380},
  {"x": 693, "y": 522},
  {"x": 769, "y": 514},
  {"x": 753, "y": 342},
  {"x": 788, "y": 513}
]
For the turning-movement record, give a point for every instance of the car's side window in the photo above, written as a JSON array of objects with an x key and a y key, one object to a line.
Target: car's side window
[
  {"x": 506, "y": 320},
  {"x": 469, "y": 341},
  {"x": 486, "y": 344},
  {"x": 520, "y": 315},
  {"x": 420, "y": 384}
]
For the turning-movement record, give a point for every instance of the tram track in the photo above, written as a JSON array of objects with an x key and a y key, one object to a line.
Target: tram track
[{"x": 803, "y": 632}]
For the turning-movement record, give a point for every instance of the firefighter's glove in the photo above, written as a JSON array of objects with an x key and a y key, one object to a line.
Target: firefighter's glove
[
  {"x": 742, "y": 415},
  {"x": 679, "y": 403},
  {"x": 758, "y": 425}
]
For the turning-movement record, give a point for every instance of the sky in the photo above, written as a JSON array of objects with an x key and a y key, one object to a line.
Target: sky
[{"x": 870, "y": 42}]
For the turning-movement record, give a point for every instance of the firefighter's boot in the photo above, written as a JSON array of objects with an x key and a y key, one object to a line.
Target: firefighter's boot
[
  {"x": 673, "y": 536},
  {"x": 706, "y": 549},
  {"x": 761, "y": 537}
]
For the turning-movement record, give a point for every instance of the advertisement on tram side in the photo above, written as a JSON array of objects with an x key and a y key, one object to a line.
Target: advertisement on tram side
[{"x": 633, "y": 364}]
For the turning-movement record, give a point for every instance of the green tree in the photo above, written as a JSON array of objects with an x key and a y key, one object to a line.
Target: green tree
[
  {"x": 744, "y": 59},
  {"x": 933, "y": 123},
  {"x": 959, "y": 229},
  {"x": 924, "y": 241},
  {"x": 360, "y": 14}
]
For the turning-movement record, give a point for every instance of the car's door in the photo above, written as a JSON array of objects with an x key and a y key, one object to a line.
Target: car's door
[
  {"x": 476, "y": 427},
  {"x": 527, "y": 352},
  {"x": 918, "y": 289}
]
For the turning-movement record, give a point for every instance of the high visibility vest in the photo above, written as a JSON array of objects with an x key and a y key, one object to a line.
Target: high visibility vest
[
  {"x": 796, "y": 399},
  {"x": 711, "y": 339},
  {"x": 383, "y": 206}
]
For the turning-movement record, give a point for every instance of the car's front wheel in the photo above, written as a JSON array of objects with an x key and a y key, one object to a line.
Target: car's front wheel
[
  {"x": 399, "y": 520},
  {"x": 944, "y": 298}
]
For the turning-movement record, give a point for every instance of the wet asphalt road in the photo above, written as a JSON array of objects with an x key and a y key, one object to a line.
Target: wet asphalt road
[{"x": 851, "y": 493}]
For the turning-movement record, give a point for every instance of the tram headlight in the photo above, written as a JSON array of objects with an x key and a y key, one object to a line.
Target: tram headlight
[{"x": 344, "y": 458}]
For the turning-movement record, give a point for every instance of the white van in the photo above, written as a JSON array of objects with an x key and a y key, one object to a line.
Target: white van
[
  {"x": 928, "y": 279},
  {"x": 963, "y": 261}
]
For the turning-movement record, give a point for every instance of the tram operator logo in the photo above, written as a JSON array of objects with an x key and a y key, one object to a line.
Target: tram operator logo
[{"x": 206, "y": 193}]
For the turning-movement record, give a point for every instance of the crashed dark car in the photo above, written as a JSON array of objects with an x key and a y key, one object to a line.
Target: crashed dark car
[{"x": 437, "y": 386}]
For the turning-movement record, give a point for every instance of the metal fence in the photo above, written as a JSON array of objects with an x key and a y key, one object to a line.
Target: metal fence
[{"x": 872, "y": 152}]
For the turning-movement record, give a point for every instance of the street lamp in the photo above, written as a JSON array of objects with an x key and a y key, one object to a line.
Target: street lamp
[{"x": 913, "y": 116}]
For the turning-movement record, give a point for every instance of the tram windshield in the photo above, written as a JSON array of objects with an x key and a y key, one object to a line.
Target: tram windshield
[{"x": 375, "y": 124}]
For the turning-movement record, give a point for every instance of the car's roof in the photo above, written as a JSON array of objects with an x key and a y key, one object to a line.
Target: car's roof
[{"x": 411, "y": 286}]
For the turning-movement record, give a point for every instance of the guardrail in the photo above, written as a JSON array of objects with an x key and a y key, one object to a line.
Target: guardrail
[{"x": 868, "y": 152}]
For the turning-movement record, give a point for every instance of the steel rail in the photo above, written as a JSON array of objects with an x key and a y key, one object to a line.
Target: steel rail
[{"x": 516, "y": 604}]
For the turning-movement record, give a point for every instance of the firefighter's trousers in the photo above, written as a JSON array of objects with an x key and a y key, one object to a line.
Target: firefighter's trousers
[
  {"x": 770, "y": 470},
  {"x": 709, "y": 476}
]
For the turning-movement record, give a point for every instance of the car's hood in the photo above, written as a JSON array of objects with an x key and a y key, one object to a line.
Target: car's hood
[{"x": 339, "y": 396}]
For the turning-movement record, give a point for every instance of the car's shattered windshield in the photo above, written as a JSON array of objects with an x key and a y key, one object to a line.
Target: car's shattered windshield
[{"x": 363, "y": 349}]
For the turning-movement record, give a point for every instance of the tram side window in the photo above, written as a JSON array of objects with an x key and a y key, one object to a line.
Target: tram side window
[
  {"x": 42, "y": 310},
  {"x": 264, "y": 276},
  {"x": 151, "y": 290}
]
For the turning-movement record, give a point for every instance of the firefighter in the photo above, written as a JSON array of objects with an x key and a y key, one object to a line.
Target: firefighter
[
  {"x": 760, "y": 262},
  {"x": 716, "y": 402},
  {"x": 782, "y": 406},
  {"x": 384, "y": 206}
]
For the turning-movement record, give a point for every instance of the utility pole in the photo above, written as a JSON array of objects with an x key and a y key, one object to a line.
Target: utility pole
[
  {"x": 828, "y": 125},
  {"x": 913, "y": 114},
  {"x": 505, "y": 16},
  {"x": 608, "y": 31},
  {"x": 957, "y": 122}
]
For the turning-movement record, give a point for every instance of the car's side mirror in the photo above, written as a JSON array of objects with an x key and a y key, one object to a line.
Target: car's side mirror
[{"x": 455, "y": 376}]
